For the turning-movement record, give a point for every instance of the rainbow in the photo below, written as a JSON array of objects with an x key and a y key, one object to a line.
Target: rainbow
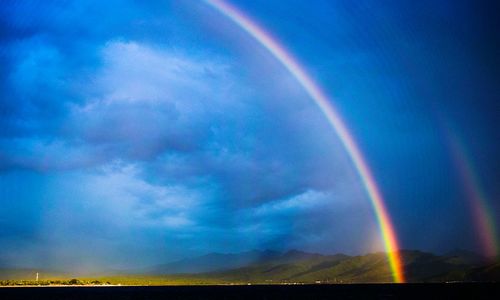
[
  {"x": 484, "y": 221},
  {"x": 325, "y": 105}
]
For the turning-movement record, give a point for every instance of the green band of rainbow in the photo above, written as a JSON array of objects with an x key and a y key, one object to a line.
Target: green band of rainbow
[{"x": 326, "y": 106}]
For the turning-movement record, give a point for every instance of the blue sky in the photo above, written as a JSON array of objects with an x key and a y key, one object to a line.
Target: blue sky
[{"x": 137, "y": 133}]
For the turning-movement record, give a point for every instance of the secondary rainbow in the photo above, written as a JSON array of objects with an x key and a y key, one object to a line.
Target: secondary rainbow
[
  {"x": 296, "y": 70},
  {"x": 484, "y": 221}
]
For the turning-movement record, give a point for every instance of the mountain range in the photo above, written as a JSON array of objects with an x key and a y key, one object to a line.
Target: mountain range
[{"x": 300, "y": 267}]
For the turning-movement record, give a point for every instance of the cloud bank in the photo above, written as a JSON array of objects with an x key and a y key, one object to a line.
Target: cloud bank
[{"x": 144, "y": 149}]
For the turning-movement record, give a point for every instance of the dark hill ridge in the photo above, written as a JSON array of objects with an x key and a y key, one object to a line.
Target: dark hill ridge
[
  {"x": 214, "y": 262},
  {"x": 460, "y": 256},
  {"x": 487, "y": 273},
  {"x": 298, "y": 266}
]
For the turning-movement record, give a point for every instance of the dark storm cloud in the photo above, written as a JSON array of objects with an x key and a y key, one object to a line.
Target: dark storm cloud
[
  {"x": 131, "y": 140},
  {"x": 139, "y": 126}
]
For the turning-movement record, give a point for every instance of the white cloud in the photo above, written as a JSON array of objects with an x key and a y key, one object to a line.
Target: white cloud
[
  {"x": 134, "y": 72},
  {"x": 308, "y": 200},
  {"x": 120, "y": 190}
]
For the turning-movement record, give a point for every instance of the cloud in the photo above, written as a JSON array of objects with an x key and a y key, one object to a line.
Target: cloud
[
  {"x": 302, "y": 202},
  {"x": 155, "y": 100},
  {"x": 143, "y": 102},
  {"x": 46, "y": 155},
  {"x": 119, "y": 190},
  {"x": 144, "y": 145},
  {"x": 133, "y": 72}
]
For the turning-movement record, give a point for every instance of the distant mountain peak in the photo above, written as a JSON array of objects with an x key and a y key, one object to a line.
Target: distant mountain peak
[
  {"x": 300, "y": 254},
  {"x": 215, "y": 261}
]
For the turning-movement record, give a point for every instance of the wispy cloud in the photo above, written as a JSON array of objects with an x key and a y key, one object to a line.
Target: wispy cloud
[{"x": 302, "y": 202}]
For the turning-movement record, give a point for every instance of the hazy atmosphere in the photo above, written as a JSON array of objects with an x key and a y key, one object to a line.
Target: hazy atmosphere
[{"x": 134, "y": 133}]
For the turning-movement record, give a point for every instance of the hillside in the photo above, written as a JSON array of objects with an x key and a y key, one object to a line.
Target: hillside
[
  {"x": 419, "y": 267},
  {"x": 297, "y": 267},
  {"x": 214, "y": 262},
  {"x": 488, "y": 273}
]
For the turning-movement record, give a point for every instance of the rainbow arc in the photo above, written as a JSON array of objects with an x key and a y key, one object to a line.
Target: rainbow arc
[
  {"x": 330, "y": 112},
  {"x": 484, "y": 221}
]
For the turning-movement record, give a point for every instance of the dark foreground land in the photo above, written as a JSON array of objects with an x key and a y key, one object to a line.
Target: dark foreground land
[{"x": 474, "y": 291}]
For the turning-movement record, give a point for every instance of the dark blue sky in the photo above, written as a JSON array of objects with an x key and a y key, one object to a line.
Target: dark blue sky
[{"x": 136, "y": 133}]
